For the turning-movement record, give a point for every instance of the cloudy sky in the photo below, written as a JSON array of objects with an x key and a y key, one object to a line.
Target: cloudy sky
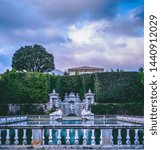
[{"x": 103, "y": 33}]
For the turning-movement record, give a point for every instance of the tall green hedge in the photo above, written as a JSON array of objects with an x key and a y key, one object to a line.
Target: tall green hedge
[
  {"x": 20, "y": 87},
  {"x": 119, "y": 108},
  {"x": 77, "y": 84},
  {"x": 116, "y": 87},
  {"x": 109, "y": 87}
]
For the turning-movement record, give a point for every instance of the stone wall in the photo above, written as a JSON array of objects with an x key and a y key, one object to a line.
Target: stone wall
[{"x": 18, "y": 109}]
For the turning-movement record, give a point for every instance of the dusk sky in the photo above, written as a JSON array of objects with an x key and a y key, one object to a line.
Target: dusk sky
[{"x": 102, "y": 33}]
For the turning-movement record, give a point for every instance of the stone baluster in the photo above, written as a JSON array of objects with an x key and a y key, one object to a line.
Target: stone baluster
[
  {"x": 24, "y": 142},
  {"x": 143, "y": 136},
  {"x": 119, "y": 138},
  {"x": 136, "y": 142},
  {"x": 16, "y": 137},
  {"x": 101, "y": 137},
  {"x": 111, "y": 137},
  {"x": 0, "y": 137},
  {"x": 59, "y": 137},
  {"x": 76, "y": 137},
  {"x": 67, "y": 137},
  {"x": 32, "y": 136},
  {"x": 93, "y": 138},
  {"x": 8, "y": 137},
  {"x": 43, "y": 137},
  {"x": 50, "y": 137},
  {"x": 84, "y": 136},
  {"x": 128, "y": 142}
]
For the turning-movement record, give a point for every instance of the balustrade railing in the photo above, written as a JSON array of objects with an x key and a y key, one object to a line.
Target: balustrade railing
[
  {"x": 12, "y": 119},
  {"x": 71, "y": 135}
]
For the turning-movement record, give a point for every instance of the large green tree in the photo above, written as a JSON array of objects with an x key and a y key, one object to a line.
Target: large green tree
[{"x": 33, "y": 58}]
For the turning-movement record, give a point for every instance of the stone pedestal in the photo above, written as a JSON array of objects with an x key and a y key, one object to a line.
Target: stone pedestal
[
  {"x": 86, "y": 114},
  {"x": 56, "y": 115},
  {"x": 106, "y": 136},
  {"x": 36, "y": 137}
]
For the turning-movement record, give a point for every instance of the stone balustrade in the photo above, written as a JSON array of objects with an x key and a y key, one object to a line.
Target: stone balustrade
[
  {"x": 127, "y": 118},
  {"x": 133, "y": 119},
  {"x": 71, "y": 135},
  {"x": 12, "y": 119}
]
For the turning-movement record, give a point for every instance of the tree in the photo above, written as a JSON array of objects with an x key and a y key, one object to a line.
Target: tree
[
  {"x": 33, "y": 58},
  {"x": 141, "y": 69},
  {"x": 66, "y": 73}
]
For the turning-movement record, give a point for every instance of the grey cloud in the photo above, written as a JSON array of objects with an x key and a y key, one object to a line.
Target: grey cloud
[
  {"x": 71, "y": 10},
  {"x": 128, "y": 26},
  {"x": 19, "y": 14},
  {"x": 39, "y": 13}
]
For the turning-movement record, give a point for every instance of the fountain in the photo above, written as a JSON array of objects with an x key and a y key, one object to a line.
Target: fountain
[
  {"x": 71, "y": 105},
  {"x": 60, "y": 130}
]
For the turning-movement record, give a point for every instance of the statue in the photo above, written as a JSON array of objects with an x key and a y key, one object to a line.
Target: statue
[
  {"x": 58, "y": 114},
  {"x": 87, "y": 114}
]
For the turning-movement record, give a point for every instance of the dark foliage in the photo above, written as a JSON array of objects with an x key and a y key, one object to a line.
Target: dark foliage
[
  {"x": 33, "y": 58},
  {"x": 125, "y": 89},
  {"x": 117, "y": 109}
]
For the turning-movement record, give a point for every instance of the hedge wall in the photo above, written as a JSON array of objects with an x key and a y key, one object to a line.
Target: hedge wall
[
  {"x": 24, "y": 87},
  {"x": 117, "y": 109},
  {"x": 110, "y": 87},
  {"x": 116, "y": 87}
]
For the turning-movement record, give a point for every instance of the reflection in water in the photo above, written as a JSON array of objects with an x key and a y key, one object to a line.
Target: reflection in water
[
  {"x": 111, "y": 122},
  {"x": 107, "y": 122}
]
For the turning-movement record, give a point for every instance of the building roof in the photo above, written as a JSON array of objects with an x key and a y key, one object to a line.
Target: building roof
[{"x": 85, "y": 68}]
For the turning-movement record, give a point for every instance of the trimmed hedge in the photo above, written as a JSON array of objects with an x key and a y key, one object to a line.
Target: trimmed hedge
[
  {"x": 118, "y": 87},
  {"x": 24, "y": 87},
  {"x": 109, "y": 87},
  {"x": 77, "y": 84},
  {"x": 117, "y": 109}
]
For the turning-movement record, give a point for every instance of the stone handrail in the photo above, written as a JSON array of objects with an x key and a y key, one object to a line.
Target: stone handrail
[
  {"x": 127, "y": 118},
  {"x": 131, "y": 119},
  {"x": 12, "y": 119},
  {"x": 39, "y": 135}
]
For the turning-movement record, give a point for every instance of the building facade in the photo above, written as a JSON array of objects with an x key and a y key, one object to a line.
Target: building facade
[{"x": 84, "y": 70}]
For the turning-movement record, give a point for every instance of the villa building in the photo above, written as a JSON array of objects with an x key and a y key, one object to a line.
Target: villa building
[{"x": 84, "y": 70}]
